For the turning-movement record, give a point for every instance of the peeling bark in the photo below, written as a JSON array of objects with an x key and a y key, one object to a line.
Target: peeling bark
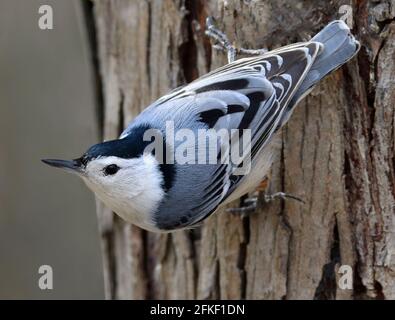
[{"x": 337, "y": 153}]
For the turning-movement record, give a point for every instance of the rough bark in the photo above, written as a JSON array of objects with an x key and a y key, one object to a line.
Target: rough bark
[{"x": 337, "y": 153}]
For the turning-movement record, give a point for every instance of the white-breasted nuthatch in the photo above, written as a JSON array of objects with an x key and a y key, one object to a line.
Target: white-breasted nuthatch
[{"x": 256, "y": 93}]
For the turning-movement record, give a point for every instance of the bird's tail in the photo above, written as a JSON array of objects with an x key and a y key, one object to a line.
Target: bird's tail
[{"x": 339, "y": 46}]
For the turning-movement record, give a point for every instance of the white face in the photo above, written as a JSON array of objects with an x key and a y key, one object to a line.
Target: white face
[{"x": 130, "y": 187}]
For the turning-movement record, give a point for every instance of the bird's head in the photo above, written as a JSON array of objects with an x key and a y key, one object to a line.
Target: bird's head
[{"x": 125, "y": 177}]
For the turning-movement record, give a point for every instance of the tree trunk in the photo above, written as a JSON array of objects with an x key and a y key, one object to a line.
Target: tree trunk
[{"x": 337, "y": 153}]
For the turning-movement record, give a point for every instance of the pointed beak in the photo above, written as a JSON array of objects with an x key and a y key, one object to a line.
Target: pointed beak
[{"x": 74, "y": 166}]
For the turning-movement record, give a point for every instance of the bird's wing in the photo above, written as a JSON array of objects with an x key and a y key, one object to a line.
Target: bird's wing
[{"x": 250, "y": 93}]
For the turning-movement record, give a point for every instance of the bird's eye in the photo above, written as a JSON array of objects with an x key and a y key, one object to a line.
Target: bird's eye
[{"x": 111, "y": 169}]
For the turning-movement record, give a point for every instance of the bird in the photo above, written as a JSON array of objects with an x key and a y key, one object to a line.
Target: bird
[{"x": 252, "y": 94}]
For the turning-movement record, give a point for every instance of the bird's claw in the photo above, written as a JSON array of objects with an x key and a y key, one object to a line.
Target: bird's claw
[
  {"x": 223, "y": 43},
  {"x": 254, "y": 203},
  {"x": 282, "y": 195}
]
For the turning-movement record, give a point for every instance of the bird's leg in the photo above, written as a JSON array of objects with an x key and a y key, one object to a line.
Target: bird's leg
[
  {"x": 282, "y": 195},
  {"x": 221, "y": 38},
  {"x": 250, "y": 205},
  {"x": 260, "y": 198},
  {"x": 251, "y": 52},
  {"x": 225, "y": 45}
]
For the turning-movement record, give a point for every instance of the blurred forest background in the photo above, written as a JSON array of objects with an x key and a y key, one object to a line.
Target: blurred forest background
[
  {"x": 105, "y": 60},
  {"x": 47, "y": 109}
]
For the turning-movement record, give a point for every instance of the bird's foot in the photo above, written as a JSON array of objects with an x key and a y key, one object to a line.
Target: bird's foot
[
  {"x": 282, "y": 195},
  {"x": 222, "y": 40},
  {"x": 223, "y": 43},
  {"x": 251, "y": 205}
]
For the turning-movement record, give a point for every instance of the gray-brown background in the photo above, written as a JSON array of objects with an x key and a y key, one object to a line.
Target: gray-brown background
[{"x": 47, "y": 109}]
